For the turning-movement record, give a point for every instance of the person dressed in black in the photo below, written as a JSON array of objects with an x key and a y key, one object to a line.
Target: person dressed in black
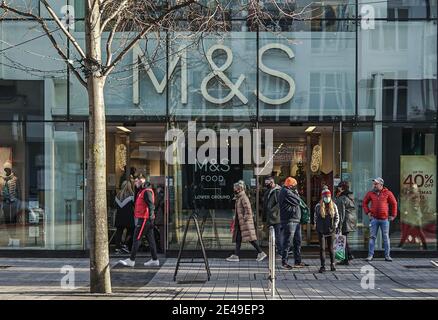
[
  {"x": 326, "y": 221},
  {"x": 144, "y": 214},
  {"x": 347, "y": 216},
  {"x": 124, "y": 203}
]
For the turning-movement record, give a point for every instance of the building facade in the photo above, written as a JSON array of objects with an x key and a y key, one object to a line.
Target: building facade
[{"x": 350, "y": 93}]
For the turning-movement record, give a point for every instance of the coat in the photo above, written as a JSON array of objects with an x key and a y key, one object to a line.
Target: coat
[
  {"x": 328, "y": 224},
  {"x": 271, "y": 206},
  {"x": 347, "y": 212},
  {"x": 125, "y": 213},
  {"x": 289, "y": 201},
  {"x": 244, "y": 219},
  {"x": 381, "y": 203}
]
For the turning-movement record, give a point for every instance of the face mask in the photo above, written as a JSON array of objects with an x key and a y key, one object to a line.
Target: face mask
[
  {"x": 327, "y": 199},
  {"x": 268, "y": 185}
]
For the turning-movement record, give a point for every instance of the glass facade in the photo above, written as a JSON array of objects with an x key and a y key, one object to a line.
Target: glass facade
[{"x": 364, "y": 73}]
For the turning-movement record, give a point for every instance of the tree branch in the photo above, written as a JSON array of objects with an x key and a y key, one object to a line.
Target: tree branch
[
  {"x": 63, "y": 28},
  {"x": 144, "y": 32},
  {"x": 49, "y": 35},
  {"x": 113, "y": 15},
  {"x": 109, "y": 54}
]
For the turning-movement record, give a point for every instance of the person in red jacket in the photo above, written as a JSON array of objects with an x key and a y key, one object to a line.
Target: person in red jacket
[
  {"x": 383, "y": 210},
  {"x": 144, "y": 217}
]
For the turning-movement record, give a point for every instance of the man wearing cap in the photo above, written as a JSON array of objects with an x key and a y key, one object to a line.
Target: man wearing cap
[
  {"x": 290, "y": 216},
  {"x": 383, "y": 210}
]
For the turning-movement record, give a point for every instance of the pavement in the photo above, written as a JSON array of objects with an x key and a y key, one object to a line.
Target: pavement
[{"x": 45, "y": 279}]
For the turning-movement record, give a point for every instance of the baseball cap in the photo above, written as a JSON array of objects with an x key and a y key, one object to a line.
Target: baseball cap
[{"x": 379, "y": 180}]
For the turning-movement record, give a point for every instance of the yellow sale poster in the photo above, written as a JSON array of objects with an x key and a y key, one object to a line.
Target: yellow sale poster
[{"x": 418, "y": 191}]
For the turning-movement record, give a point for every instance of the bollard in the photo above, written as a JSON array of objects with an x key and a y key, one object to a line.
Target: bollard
[{"x": 272, "y": 255}]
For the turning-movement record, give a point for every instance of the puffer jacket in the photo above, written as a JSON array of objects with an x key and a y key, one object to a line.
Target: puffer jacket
[
  {"x": 380, "y": 204},
  {"x": 347, "y": 212},
  {"x": 271, "y": 206},
  {"x": 10, "y": 189},
  {"x": 328, "y": 224},
  {"x": 289, "y": 201},
  {"x": 244, "y": 218}
]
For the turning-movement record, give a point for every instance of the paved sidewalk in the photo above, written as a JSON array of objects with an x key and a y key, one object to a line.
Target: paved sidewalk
[{"x": 38, "y": 279}]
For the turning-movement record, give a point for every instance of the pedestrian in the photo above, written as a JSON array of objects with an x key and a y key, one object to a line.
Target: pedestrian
[
  {"x": 271, "y": 208},
  {"x": 383, "y": 210},
  {"x": 124, "y": 203},
  {"x": 347, "y": 216},
  {"x": 326, "y": 221},
  {"x": 244, "y": 229},
  {"x": 144, "y": 216},
  {"x": 290, "y": 216}
]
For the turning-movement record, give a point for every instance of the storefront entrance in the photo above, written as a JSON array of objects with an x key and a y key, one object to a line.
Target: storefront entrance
[
  {"x": 308, "y": 153},
  {"x": 316, "y": 155}
]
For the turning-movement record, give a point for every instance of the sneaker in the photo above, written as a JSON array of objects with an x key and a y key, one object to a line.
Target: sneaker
[
  {"x": 286, "y": 266},
  {"x": 321, "y": 270},
  {"x": 369, "y": 259},
  {"x": 152, "y": 263},
  {"x": 332, "y": 267},
  {"x": 261, "y": 256},
  {"x": 300, "y": 265},
  {"x": 233, "y": 258},
  {"x": 127, "y": 262},
  {"x": 389, "y": 259}
]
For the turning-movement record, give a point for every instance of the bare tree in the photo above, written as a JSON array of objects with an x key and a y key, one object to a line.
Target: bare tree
[{"x": 96, "y": 60}]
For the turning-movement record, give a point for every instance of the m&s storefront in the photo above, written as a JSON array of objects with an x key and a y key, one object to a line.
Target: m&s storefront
[{"x": 344, "y": 100}]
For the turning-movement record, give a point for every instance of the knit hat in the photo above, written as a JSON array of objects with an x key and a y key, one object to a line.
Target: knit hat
[
  {"x": 326, "y": 193},
  {"x": 290, "y": 182},
  {"x": 7, "y": 165}
]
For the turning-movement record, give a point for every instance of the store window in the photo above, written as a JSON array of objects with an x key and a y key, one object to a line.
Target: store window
[
  {"x": 409, "y": 170},
  {"x": 33, "y": 77},
  {"x": 307, "y": 75},
  {"x": 397, "y": 71},
  {"x": 42, "y": 186},
  {"x": 207, "y": 189}
]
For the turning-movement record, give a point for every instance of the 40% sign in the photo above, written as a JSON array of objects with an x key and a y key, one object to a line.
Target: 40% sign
[{"x": 421, "y": 180}]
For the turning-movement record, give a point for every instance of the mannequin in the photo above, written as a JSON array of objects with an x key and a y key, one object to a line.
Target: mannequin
[{"x": 10, "y": 196}]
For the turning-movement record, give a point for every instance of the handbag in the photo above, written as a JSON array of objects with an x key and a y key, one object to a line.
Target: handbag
[
  {"x": 339, "y": 246},
  {"x": 305, "y": 212}
]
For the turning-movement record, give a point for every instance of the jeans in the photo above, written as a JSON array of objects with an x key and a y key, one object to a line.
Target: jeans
[
  {"x": 119, "y": 234},
  {"x": 297, "y": 244},
  {"x": 142, "y": 226},
  {"x": 375, "y": 224},
  {"x": 277, "y": 230},
  {"x": 323, "y": 241},
  {"x": 239, "y": 243},
  {"x": 288, "y": 230}
]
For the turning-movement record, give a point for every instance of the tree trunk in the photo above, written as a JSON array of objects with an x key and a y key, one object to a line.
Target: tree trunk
[{"x": 100, "y": 280}]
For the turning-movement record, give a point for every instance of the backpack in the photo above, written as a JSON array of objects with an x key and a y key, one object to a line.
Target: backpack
[{"x": 305, "y": 212}]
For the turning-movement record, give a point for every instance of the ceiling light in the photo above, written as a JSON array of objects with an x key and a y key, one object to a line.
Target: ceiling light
[
  {"x": 310, "y": 129},
  {"x": 124, "y": 129}
]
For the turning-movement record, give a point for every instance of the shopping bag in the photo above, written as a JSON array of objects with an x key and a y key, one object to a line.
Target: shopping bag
[
  {"x": 339, "y": 247},
  {"x": 233, "y": 225}
]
